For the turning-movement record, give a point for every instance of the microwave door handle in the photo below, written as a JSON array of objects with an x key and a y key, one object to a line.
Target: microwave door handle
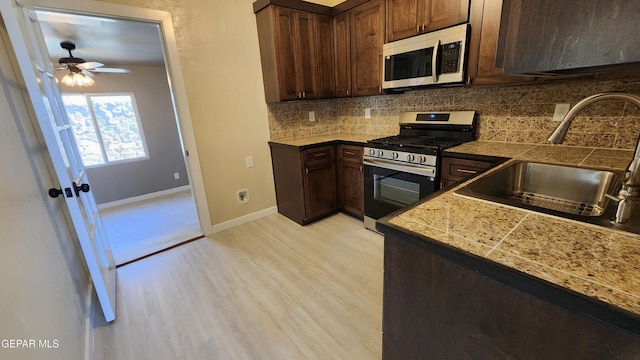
[{"x": 434, "y": 62}]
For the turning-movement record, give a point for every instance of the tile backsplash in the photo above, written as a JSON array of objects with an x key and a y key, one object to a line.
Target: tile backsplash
[{"x": 518, "y": 114}]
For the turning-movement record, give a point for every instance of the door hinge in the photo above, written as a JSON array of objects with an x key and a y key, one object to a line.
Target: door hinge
[{"x": 19, "y": 3}]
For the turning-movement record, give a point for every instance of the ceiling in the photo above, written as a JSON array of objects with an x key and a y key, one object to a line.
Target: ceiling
[{"x": 113, "y": 42}]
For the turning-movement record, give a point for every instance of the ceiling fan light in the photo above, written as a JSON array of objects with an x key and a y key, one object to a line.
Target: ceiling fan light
[
  {"x": 78, "y": 79},
  {"x": 67, "y": 80},
  {"x": 87, "y": 81}
]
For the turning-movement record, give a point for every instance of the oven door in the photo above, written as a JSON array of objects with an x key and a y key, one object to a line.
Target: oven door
[{"x": 390, "y": 186}]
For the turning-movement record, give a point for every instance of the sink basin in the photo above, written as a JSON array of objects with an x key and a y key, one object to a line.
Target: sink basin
[{"x": 565, "y": 191}]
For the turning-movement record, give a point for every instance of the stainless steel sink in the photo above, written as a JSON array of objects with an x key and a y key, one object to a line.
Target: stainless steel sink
[{"x": 565, "y": 191}]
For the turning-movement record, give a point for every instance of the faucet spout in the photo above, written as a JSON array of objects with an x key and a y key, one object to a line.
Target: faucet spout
[{"x": 630, "y": 191}]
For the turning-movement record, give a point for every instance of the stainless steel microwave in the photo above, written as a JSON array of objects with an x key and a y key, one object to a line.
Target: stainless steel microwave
[{"x": 434, "y": 58}]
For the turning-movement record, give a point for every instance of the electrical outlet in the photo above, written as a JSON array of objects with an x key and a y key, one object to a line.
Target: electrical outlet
[
  {"x": 312, "y": 116},
  {"x": 242, "y": 196},
  {"x": 561, "y": 111},
  {"x": 367, "y": 113},
  {"x": 249, "y": 160},
  {"x": 176, "y": 176}
]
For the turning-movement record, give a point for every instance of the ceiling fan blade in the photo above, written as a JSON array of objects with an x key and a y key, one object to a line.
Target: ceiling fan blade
[
  {"x": 112, "y": 70},
  {"x": 88, "y": 73},
  {"x": 89, "y": 65}
]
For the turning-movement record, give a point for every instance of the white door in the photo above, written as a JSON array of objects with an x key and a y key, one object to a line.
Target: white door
[{"x": 37, "y": 70}]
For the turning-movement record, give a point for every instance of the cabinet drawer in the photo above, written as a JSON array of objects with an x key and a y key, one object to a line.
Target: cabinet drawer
[
  {"x": 458, "y": 169},
  {"x": 320, "y": 156},
  {"x": 350, "y": 153}
]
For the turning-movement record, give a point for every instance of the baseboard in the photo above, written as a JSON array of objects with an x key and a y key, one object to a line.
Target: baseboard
[
  {"x": 242, "y": 220},
  {"x": 90, "y": 309},
  {"x": 144, "y": 197}
]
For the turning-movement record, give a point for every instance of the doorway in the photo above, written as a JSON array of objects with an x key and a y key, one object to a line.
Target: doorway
[{"x": 135, "y": 195}]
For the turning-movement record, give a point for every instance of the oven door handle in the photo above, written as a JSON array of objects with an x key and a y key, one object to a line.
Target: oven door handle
[{"x": 408, "y": 168}]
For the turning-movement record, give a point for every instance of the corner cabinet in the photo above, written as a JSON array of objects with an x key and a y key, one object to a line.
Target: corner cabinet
[
  {"x": 358, "y": 37},
  {"x": 407, "y": 18},
  {"x": 296, "y": 49},
  {"x": 351, "y": 180},
  {"x": 305, "y": 181},
  {"x": 316, "y": 181}
]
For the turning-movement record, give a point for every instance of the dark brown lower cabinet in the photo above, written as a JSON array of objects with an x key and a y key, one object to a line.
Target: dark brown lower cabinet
[
  {"x": 435, "y": 308},
  {"x": 351, "y": 180},
  {"x": 305, "y": 181},
  {"x": 454, "y": 170}
]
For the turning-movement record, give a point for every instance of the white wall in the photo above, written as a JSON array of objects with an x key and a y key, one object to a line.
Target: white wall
[{"x": 42, "y": 276}]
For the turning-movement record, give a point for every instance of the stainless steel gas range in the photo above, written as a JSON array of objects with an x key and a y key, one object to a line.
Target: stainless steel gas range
[{"x": 402, "y": 169}]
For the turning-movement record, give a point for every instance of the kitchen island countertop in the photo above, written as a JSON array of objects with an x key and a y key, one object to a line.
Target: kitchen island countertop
[{"x": 598, "y": 265}]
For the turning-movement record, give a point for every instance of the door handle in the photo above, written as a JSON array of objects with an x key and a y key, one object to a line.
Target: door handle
[
  {"x": 54, "y": 193},
  {"x": 82, "y": 187}
]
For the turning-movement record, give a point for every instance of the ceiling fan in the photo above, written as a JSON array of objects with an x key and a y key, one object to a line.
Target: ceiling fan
[{"x": 79, "y": 65}]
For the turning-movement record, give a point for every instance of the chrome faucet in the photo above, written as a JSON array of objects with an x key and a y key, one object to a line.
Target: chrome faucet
[{"x": 630, "y": 192}]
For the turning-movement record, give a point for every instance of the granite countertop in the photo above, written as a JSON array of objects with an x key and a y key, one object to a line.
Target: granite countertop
[
  {"x": 594, "y": 262},
  {"x": 326, "y": 138}
]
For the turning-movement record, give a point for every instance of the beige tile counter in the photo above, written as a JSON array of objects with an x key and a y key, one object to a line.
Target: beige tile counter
[
  {"x": 592, "y": 261},
  {"x": 319, "y": 139}
]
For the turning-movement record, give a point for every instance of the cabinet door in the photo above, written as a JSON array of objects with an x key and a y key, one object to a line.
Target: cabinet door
[
  {"x": 486, "y": 46},
  {"x": 342, "y": 63},
  {"x": 367, "y": 37},
  {"x": 445, "y": 13},
  {"x": 351, "y": 180},
  {"x": 305, "y": 55},
  {"x": 285, "y": 52},
  {"x": 320, "y": 182},
  {"x": 325, "y": 50},
  {"x": 352, "y": 188},
  {"x": 404, "y": 18}
]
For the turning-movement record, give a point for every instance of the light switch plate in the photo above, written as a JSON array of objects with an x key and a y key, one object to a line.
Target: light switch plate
[
  {"x": 367, "y": 113},
  {"x": 249, "y": 160},
  {"x": 561, "y": 111},
  {"x": 312, "y": 116}
]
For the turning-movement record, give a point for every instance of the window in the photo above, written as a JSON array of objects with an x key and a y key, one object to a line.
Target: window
[{"x": 107, "y": 128}]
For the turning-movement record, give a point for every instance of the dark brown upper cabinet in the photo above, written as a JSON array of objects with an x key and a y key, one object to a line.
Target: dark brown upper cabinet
[
  {"x": 293, "y": 44},
  {"x": 342, "y": 56},
  {"x": 486, "y": 46},
  {"x": 572, "y": 37},
  {"x": 358, "y": 36},
  {"x": 405, "y": 18},
  {"x": 367, "y": 38},
  {"x": 325, "y": 50}
]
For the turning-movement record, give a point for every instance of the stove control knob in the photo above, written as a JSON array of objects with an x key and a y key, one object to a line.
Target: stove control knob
[
  {"x": 423, "y": 159},
  {"x": 410, "y": 157},
  {"x": 380, "y": 153},
  {"x": 372, "y": 152},
  {"x": 395, "y": 155}
]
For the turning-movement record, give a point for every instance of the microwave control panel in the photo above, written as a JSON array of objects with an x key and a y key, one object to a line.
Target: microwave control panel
[{"x": 450, "y": 57}]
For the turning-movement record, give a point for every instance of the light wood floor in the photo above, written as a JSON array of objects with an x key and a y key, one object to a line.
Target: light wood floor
[
  {"x": 269, "y": 289},
  {"x": 143, "y": 227}
]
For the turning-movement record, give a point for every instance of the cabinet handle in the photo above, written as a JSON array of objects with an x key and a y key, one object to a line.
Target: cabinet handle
[
  {"x": 349, "y": 153},
  {"x": 466, "y": 171},
  {"x": 360, "y": 168},
  {"x": 347, "y": 92},
  {"x": 418, "y": 28},
  {"x": 320, "y": 154},
  {"x": 304, "y": 94},
  {"x": 306, "y": 170}
]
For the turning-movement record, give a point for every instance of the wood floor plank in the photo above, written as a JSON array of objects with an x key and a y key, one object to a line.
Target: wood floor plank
[{"x": 268, "y": 289}]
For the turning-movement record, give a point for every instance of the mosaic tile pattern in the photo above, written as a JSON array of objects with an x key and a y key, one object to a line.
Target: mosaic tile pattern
[{"x": 510, "y": 114}]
